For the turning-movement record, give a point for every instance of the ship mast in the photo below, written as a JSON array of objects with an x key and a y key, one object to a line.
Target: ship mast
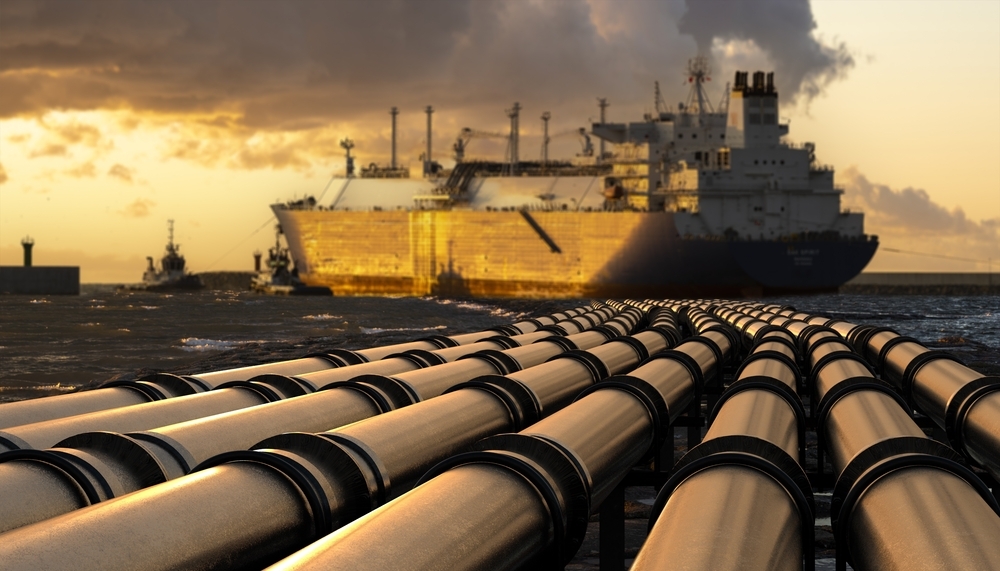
[
  {"x": 603, "y": 104},
  {"x": 170, "y": 235},
  {"x": 545, "y": 137},
  {"x": 698, "y": 71}
]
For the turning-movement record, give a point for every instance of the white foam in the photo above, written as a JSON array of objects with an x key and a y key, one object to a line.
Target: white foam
[
  {"x": 371, "y": 330},
  {"x": 198, "y": 344},
  {"x": 322, "y": 317}
]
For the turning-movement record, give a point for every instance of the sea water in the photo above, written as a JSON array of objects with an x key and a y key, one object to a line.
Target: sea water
[{"x": 56, "y": 344}]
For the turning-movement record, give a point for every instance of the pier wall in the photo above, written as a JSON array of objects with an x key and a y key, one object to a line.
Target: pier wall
[
  {"x": 40, "y": 280},
  {"x": 924, "y": 283},
  {"x": 238, "y": 281}
]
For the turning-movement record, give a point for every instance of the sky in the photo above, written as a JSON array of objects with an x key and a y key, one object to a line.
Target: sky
[{"x": 117, "y": 115}]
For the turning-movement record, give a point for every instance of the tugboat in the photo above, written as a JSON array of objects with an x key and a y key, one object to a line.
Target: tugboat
[
  {"x": 280, "y": 277},
  {"x": 172, "y": 274}
]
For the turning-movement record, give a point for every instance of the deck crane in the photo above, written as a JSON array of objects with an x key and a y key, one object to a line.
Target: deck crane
[
  {"x": 586, "y": 146},
  {"x": 466, "y": 135}
]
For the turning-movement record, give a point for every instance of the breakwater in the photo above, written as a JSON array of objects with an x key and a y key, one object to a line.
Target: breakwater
[
  {"x": 40, "y": 280},
  {"x": 492, "y": 448},
  {"x": 923, "y": 283}
]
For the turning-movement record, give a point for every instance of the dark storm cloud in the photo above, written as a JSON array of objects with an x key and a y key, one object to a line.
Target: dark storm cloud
[
  {"x": 296, "y": 64},
  {"x": 783, "y": 29}
]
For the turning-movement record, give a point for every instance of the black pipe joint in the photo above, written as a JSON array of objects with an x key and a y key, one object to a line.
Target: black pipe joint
[
  {"x": 161, "y": 386},
  {"x": 510, "y": 330},
  {"x": 905, "y": 382},
  {"x": 325, "y": 472},
  {"x": 958, "y": 409},
  {"x": 807, "y": 333},
  {"x": 757, "y": 342},
  {"x": 651, "y": 398},
  {"x": 272, "y": 387},
  {"x": 564, "y": 343},
  {"x": 397, "y": 392},
  {"x": 341, "y": 357},
  {"x": 502, "y": 362},
  {"x": 757, "y": 454},
  {"x": 879, "y": 360},
  {"x": 598, "y": 370},
  {"x": 762, "y": 383},
  {"x": 774, "y": 356},
  {"x": 523, "y": 405},
  {"x": 845, "y": 387},
  {"x": 807, "y": 356},
  {"x": 832, "y": 357},
  {"x": 558, "y": 475},
  {"x": 863, "y": 336},
  {"x": 878, "y": 461}
]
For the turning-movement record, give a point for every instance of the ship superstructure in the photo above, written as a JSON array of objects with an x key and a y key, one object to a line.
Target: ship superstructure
[
  {"x": 172, "y": 273},
  {"x": 689, "y": 202}
]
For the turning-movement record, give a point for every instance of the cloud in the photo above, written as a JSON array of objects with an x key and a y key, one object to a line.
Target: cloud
[
  {"x": 3, "y": 174},
  {"x": 299, "y": 65},
  {"x": 84, "y": 170},
  {"x": 121, "y": 171},
  {"x": 140, "y": 208},
  {"x": 49, "y": 150},
  {"x": 908, "y": 220}
]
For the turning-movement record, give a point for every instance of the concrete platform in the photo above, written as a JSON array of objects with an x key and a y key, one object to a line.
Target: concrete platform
[{"x": 40, "y": 280}]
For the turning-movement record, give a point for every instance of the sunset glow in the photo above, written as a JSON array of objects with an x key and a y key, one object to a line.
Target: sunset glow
[{"x": 116, "y": 116}]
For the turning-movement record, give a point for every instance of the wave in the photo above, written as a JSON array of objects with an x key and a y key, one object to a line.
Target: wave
[
  {"x": 197, "y": 344},
  {"x": 372, "y": 330},
  {"x": 322, "y": 317}
]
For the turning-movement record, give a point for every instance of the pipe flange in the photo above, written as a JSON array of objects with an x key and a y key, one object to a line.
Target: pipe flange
[
  {"x": 90, "y": 485},
  {"x": 177, "y": 451},
  {"x": 759, "y": 455},
  {"x": 400, "y": 394},
  {"x": 607, "y": 331},
  {"x": 808, "y": 331},
  {"x": 381, "y": 400},
  {"x": 762, "y": 383},
  {"x": 720, "y": 359},
  {"x": 562, "y": 342},
  {"x": 774, "y": 356},
  {"x": 647, "y": 394},
  {"x": 958, "y": 409},
  {"x": 830, "y": 358},
  {"x": 145, "y": 388},
  {"x": 510, "y": 330},
  {"x": 268, "y": 393},
  {"x": 669, "y": 335},
  {"x": 880, "y": 460},
  {"x": 522, "y": 402},
  {"x": 641, "y": 352},
  {"x": 285, "y": 386},
  {"x": 501, "y": 340},
  {"x": 554, "y": 328},
  {"x": 824, "y": 341},
  {"x": 769, "y": 328},
  {"x": 176, "y": 385},
  {"x": 566, "y": 469},
  {"x": 502, "y": 362},
  {"x": 686, "y": 361},
  {"x": 884, "y": 352},
  {"x": 913, "y": 367},
  {"x": 861, "y": 340},
  {"x": 418, "y": 357},
  {"x": 598, "y": 370},
  {"x": 846, "y": 387},
  {"x": 341, "y": 357}
]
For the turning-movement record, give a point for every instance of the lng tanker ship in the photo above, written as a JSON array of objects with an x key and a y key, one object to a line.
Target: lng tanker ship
[{"x": 697, "y": 201}]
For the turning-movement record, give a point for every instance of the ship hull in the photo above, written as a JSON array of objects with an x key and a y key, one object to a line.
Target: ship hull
[{"x": 550, "y": 254}]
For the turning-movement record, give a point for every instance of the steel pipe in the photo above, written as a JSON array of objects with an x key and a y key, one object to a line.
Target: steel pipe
[
  {"x": 548, "y": 476},
  {"x": 356, "y": 467},
  {"x": 162, "y": 386}
]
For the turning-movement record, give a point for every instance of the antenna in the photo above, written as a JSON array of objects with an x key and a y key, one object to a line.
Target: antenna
[
  {"x": 545, "y": 137},
  {"x": 602, "y": 102},
  {"x": 393, "y": 112},
  {"x": 698, "y": 70},
  {"x": 658, "y": 103},
  {"x": 347, "y": 145},
  {"x": 427, "y": 158},
  {"x": 170, "y": 234},
  {"x": 515, "y": 116}
]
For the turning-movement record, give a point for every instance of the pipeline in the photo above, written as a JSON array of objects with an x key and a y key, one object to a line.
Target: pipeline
[
  {"x": 901, "y": 500},
  {"x": 962, "y": 402},
  {"x": 89, "y": 467},
  {"x": 235, "y": 395},
  {"x": 745, "y": 482},
  {"x": 165, "y": 385},
  {"x": 297, "y": 487},
  {"x": 523, "y": 500}
]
